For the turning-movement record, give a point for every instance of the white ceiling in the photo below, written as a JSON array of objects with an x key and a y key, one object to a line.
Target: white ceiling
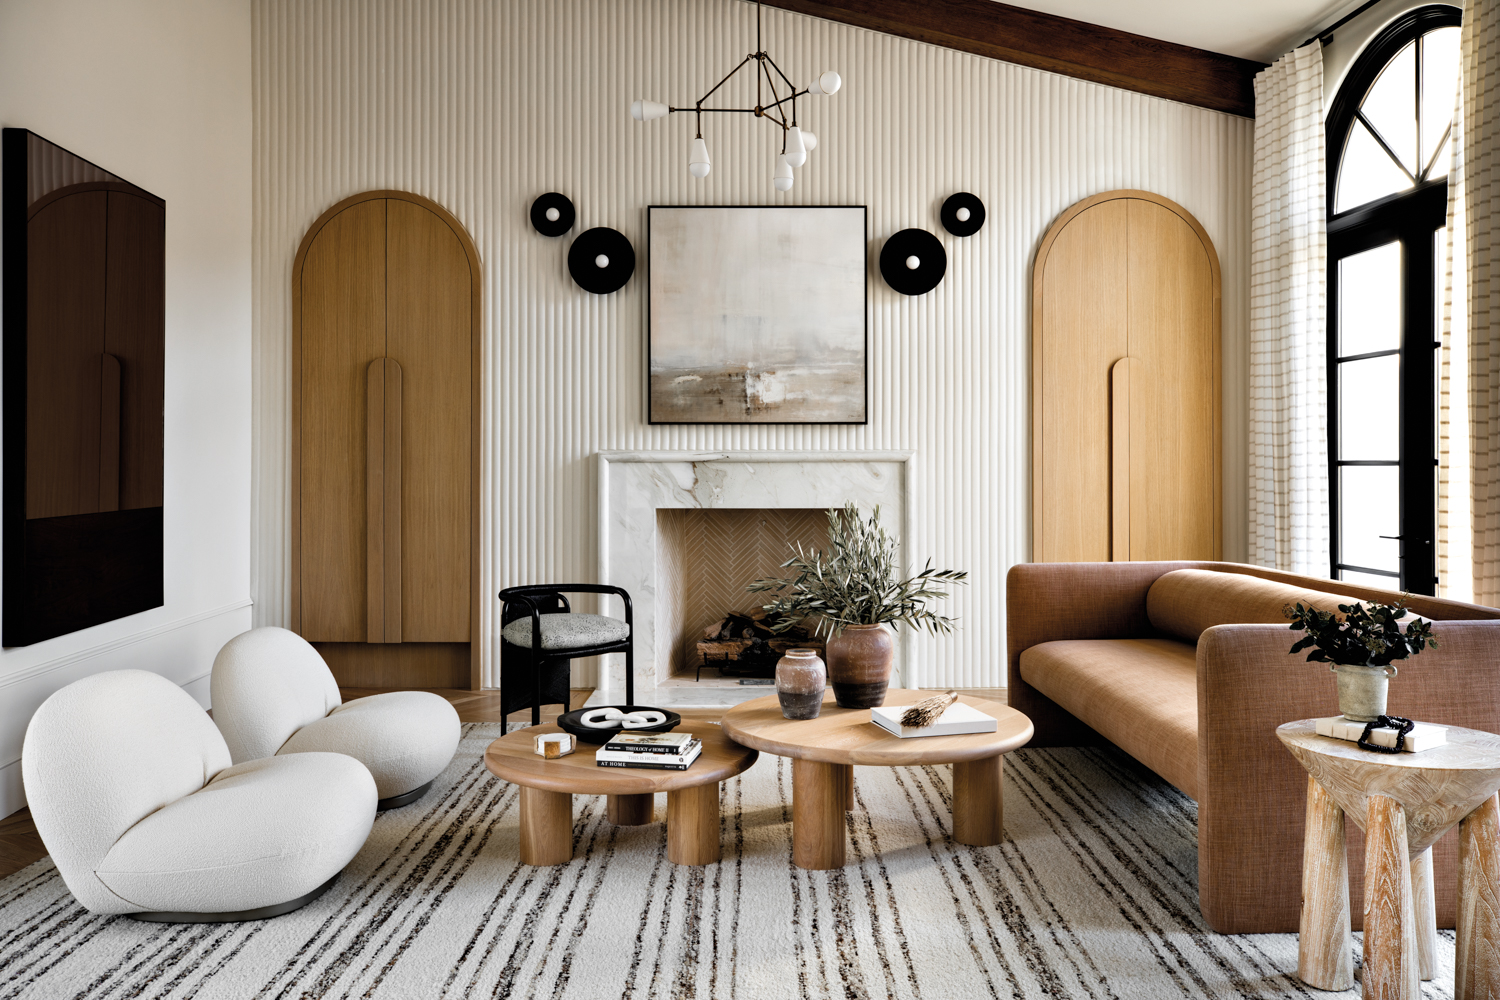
[{"x": 1250, "y": 29}]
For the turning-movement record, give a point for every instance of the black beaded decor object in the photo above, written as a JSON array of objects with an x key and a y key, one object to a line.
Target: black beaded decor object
[
  {"x": 601, "y": 260},
  {"x": 913, "y": 262},
  {"x": 962, "y": 214},
  {"x": 552, "y": 214},
  {"x": 1400, "y": 725}
]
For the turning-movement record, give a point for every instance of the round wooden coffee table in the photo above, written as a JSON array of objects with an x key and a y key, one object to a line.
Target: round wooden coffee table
[
  {"x": 548, "y": 787},
  {"x": 824, "y": 750}
]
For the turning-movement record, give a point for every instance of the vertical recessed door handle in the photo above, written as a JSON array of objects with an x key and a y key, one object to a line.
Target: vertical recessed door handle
[
  {"x": 109, "y": 432},
  {"x": 1121, "y": 376},
  {"x": 383, "y": 501}
]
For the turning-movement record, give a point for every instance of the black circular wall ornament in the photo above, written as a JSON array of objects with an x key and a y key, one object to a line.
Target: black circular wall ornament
[
  {"x": 913, "y": 261},
  {"x": 601, "y": 260},
  {"x": 962, "y": 214},
  {"x": 552, "y": 214}
]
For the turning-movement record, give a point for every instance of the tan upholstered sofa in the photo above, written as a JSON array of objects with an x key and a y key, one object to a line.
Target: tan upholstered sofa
[{"x": 1167, "y": 666}]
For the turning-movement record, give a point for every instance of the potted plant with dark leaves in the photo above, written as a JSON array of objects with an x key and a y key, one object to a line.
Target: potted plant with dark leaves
[
  {"x": 855, "y": 591},
  {"x": 1360, "y": 642}
]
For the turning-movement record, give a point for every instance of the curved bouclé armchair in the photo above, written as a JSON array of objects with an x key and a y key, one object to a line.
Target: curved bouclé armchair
[
  {"x": 133, "y": 794},
  {"x": 273, "y": 695}
]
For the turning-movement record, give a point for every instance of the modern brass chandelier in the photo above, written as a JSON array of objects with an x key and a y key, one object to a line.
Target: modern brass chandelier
[{"x": 770, "y": 105}]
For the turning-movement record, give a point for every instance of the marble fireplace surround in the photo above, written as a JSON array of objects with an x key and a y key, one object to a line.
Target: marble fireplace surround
[{"x": 634, "y": 485}]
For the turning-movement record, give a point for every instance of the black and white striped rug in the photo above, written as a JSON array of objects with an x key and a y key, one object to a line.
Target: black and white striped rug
[{"x": 1092, "y": 896}]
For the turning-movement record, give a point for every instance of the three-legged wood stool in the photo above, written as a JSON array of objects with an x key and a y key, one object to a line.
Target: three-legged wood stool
[{"x": 1405, "y": 802}]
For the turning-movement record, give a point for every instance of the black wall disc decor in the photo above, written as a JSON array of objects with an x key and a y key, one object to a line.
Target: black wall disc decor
[
  {"x": 548, "y": 205},
  {"x": 601, "y": 261},
  {"x": 913, "y": 262},
  {"x": 973, "y": 214}
]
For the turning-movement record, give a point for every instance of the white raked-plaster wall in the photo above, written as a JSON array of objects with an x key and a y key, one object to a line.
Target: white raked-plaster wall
[
  {"x": 157, "y": 91},
  {"x": 482, "y": 106}
]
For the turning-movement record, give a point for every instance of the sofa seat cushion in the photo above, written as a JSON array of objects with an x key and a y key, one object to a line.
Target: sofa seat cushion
[
  {"x": 1187, "y": 602},
  {"x": 258, "y": 834},
  {"x": 405, "y": 738},
  {"x": 1140, "y": 694}
]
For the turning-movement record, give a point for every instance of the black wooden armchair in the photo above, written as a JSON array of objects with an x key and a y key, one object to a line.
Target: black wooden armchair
[{"x": 541, "y": 635}]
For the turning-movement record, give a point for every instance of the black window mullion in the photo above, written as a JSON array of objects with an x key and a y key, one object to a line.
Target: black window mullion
[{"x": 1418, "y": 416}]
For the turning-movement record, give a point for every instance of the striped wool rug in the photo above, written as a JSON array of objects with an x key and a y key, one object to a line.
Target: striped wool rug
[{"x": 1091, "y": 896}]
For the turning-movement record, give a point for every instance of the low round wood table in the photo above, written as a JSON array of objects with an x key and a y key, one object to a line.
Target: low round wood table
[
  {"x": 824, "y": 750},
  {"x": 1405, "y": 802},
  {"x": 548, "y": 787}
]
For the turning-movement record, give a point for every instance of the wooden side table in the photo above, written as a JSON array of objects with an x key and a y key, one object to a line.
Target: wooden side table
[
  {"x": 824, "y": 750},
  {"x": 548, "y": 787},
  {"x": 1405, "y": 802}
]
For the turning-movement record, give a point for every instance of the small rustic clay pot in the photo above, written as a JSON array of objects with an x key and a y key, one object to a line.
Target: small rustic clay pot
[
  {"x": 1362, "y": 690},
  {"x": 801, "y": 679},
  {"x": 859, "y": 665}
]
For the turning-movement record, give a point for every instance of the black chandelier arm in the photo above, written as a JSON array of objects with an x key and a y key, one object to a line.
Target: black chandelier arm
[{"x": 726, "y": 79}]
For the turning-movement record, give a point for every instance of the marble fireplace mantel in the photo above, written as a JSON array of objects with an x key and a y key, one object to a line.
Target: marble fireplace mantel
[{"x": 634, "y": 485}]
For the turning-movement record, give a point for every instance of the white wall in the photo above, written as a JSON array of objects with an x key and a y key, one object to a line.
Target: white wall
[
  {"x": 482, "y": 106},
  {"x": 158, "y": 92}
]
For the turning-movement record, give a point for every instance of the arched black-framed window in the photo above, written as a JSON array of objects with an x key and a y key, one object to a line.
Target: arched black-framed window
[{"x": 1388, "y": 135}]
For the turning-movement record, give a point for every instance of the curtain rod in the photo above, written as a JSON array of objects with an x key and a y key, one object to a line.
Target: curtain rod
[{"x": 1326, "y": 35}]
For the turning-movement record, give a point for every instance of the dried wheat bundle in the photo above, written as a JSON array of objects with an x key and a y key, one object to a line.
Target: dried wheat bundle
[{"x": 927, "y": 711}]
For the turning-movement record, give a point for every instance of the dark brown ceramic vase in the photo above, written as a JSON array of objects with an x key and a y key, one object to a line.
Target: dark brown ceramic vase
[
  {"x": 801, "y": 679},
  {"x": 859, "y": 665}
]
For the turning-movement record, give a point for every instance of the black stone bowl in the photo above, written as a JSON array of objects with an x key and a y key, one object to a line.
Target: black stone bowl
[{"x": 572, "y": 723}]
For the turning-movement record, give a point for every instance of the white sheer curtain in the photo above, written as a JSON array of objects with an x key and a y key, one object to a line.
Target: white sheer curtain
[
  {"x": 1288, "y": 330},
  {"x": 1480, "y": 199}
]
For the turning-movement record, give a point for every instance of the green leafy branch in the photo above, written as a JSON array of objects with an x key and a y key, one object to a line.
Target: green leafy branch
[
  {"x": 1363, "y": 635},
  {"x": 855, "y": 582}
]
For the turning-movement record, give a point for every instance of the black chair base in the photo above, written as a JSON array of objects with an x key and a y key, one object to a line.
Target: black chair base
[
  {"x": 404, "y": 799},
  {"x": 260, "y": 913}
]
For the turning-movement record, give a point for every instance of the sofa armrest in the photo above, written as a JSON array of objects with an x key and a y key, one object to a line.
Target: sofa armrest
[
  {"x": 1046, "y": 602},
  {"x": 1252, "y": 792}
]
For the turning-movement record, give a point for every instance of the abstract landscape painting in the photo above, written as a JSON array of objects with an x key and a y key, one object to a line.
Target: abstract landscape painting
[{"x": 757, "y": 315}]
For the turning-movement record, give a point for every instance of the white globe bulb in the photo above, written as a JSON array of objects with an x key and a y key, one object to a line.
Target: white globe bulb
[
  {"x": 796, "y": 152},
  {"x": 830, "y": 82},
  {"x": 913, "y": 262},
  {"x": 809, "y": 141},
  {"x": 783, "y": 176},
  {"x": 601, "y": 261},
  {"x": 698, "y": 162},
  {"x": 962, "y": 215},
  {"x": 553, "y": 215}
]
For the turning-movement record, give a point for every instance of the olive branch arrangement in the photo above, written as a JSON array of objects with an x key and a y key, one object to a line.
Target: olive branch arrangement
[
  {"x": 856, "y": 582},
  {"x": 1363, "y": 636}
]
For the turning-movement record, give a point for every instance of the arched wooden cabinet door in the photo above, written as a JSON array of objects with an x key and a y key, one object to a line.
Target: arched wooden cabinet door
[
  {"x": 1126, "y": 461},
  {"x": 385, "y": 511}
]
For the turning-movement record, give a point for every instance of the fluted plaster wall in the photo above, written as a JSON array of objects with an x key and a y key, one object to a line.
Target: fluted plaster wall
[{"x": 484, "y": 104}]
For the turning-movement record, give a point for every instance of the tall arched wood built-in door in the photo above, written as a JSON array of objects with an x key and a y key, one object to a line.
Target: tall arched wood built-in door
[
  {"x": 385, "y": 453},
  {"x": 1125, "y": 384}
]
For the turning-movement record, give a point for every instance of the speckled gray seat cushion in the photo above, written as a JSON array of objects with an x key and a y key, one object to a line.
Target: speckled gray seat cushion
[{"x": 568, "y": 631}]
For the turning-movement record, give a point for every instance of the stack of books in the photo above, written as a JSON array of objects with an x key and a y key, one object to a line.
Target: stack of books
[
  {"x": 661, "y": 751},
  {"x": 1424, "y": 735}
]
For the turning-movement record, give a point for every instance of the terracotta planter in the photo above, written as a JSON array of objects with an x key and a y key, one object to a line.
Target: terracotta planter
[
  {"x": 1362, "y": 690},
  {"x": 859, "y": 665},
  {"x": 801, "y": 679}
]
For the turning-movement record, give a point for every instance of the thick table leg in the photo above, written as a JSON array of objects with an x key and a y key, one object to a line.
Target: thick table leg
[
  {"x": 630, "y": 810},
  {"x": 546, "y": 827},
  {"x": 1425, "y": 907},
  {"x": 1477, "y": 972},
  {"x": 693, "y": 825},
  {"x": 1324, "y": 957},
  {"x": 978, "y": 806},
  {"x": 849, "y": 785},
  {"x": 1390, "y": 967},
  {"x": 819, "y": 794}
]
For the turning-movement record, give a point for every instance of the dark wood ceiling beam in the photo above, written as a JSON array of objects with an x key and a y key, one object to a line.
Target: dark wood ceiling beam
[{"x": 1059, "y": 44}]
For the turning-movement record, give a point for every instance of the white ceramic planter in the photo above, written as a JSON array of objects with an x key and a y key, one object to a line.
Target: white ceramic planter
[{"x": 1362, "y": 690}]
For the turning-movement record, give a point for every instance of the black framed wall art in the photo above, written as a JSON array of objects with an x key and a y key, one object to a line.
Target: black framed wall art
[
  {"x": 757, "y": 315},
  {"x": 84, "y": 341}
]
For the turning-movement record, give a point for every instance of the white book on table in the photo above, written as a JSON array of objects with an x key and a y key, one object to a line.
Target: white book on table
[
  {"x": 1423, "y": 736},
  {"x": 957, "y": 720}
]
